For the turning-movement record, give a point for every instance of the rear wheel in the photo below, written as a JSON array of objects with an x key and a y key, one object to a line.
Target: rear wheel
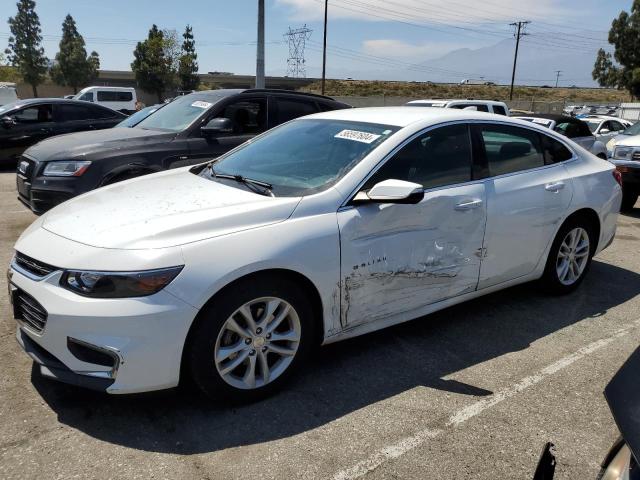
[
  {"x": 629, "y": 199},
  {"x": 247, "y": 343},
  {"x": 570, "y": 257}
]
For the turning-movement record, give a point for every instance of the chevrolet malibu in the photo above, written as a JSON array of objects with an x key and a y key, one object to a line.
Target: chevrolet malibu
[{"x": 327, "y": 227}]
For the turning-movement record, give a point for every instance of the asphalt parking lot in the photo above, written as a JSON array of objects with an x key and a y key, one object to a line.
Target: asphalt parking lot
[{"x": 471, "y": 392}]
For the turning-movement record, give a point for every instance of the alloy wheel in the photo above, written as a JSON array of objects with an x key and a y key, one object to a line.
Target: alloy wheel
[
  {"x": 257, "y": 343},
  {"x": 573, "y": 256}
]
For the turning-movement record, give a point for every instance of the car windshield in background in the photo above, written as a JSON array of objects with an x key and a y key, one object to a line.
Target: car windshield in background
[
  {"x": 592, "y": 124},
  {"x": 427, "y": 104},
  {"x": 633, "y": 129},
  {"x": 137, "y": 117},
  {"x": 179, "y": 114},
  {"x": 304, "y": 156}
]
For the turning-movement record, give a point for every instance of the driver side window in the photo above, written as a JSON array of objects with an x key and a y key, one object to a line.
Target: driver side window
[
  {"x": 437, "y": 158},
  {"x": 247, "y": 116},
  {"x": 36, "y": 114}
]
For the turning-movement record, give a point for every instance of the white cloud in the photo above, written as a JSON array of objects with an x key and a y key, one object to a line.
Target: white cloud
[
  {"x": 458, "y": 12},
  {"x": 398, "y": 48}
]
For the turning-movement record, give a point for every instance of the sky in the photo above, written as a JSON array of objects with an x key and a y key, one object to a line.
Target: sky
[{"x": 368, "y": 39}]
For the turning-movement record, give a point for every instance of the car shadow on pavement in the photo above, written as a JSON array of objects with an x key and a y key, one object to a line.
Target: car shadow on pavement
[{"x": 346, "y": 376}]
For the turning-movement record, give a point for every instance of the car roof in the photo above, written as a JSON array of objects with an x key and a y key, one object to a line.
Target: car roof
[
  {"x": 224, "y": 92},
  {"x": 404, "y": 116},
  {"x": 33, "y": 101},
  {"x": 552, "y": 116}
]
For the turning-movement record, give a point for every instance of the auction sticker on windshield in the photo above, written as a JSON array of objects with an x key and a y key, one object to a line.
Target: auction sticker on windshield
[
  {"x": 201, "y": 104},
  {"x": 364, "y": 137}
]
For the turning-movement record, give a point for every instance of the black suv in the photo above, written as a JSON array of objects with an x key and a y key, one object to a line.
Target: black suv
[
  {"x": 189, "y": 130},
  {"x": 26, "y": 122}
]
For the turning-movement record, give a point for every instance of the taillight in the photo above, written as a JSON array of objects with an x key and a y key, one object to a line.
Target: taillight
[{"x": 618, "y": 176}]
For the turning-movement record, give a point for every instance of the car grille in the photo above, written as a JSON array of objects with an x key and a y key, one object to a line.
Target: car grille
[
  {"x": 33, "y": 266},
  {"x": 29, "y": 311}
]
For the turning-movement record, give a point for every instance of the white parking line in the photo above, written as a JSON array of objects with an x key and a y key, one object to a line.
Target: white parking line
[{"x": 409, "y": 443}]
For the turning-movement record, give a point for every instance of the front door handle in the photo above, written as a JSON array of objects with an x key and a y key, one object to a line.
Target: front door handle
[
  {"x": 468, "y": 205},
  {"x": 554, "y": 187}
]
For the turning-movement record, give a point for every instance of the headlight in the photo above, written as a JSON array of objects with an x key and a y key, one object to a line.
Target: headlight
[
  {"x": 118, "y": 284},
  {"x": 620, "y": 466},
  {"x": 623, "y": 153},
  {"x": 66, "y": 169}
]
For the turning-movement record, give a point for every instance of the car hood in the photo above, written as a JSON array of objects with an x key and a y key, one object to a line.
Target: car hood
[
  {"x": 85, "y": 144},
  {"x": 628, "y": 140},
  {"x": 163, "y": 210}
]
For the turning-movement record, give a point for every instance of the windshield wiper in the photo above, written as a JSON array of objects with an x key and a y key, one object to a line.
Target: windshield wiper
[{"x": 257, "y": 186}]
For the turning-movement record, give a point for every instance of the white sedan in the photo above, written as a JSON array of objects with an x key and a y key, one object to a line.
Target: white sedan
[{"x": 324, "y": 228}]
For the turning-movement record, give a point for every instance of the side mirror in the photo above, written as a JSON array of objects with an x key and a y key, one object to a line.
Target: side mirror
[
  {"x": 392, "y": 191},
  {"x": 217, "y": 126},
  {"x": 604, "y": 131},
  {"x": 7, "y": 122}
]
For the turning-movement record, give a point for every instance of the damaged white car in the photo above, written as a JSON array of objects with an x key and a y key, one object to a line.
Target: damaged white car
[{"x": 324, "y": 228}]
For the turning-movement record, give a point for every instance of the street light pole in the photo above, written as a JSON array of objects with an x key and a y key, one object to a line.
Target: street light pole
[
  {"x": 260, "y": 51},
  {"x": 324, "y": 46}
]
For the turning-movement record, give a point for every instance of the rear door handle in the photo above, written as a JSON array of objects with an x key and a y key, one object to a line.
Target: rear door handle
[
  {"x": 554, "y": 187},
  {"x": 468, "y": 205}
]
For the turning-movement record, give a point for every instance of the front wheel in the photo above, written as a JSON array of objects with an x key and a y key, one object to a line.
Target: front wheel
[
  {"x": 569, "y": 258},
  {"x": 247, "y": 342}
]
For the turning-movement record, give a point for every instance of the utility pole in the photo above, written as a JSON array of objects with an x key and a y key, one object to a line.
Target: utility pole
[
  {"x": 260, "y": 51},
  {"x": 324, "y": 46},
  {"x": 519, "y": 33},
  {"x": 558, "y": 72}
]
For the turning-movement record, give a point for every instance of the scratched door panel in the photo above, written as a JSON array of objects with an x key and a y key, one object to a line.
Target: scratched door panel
[
  {"x": 522, "y": 219},
  {"x": 397, "y": 258}
]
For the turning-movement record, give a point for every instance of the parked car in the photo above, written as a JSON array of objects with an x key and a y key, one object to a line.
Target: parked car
[
  {"x": 324, "y": 228},
  {"x": 191, "y": 129},
  {"x": 8, "y": 93},
  {"x": 490, "y": 106},
  {"x": 122, "y": 99},
  {"x": 132, "y": 120},
  {"x": 26, "y": 122},
  {"x": 605, "y": 127},
  {"x": 570, "y": 127},
  {"x": 625, "y": 155},
  {"x": 622, "y": 461}
]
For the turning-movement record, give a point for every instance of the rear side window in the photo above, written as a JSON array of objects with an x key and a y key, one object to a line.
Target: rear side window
[
  {"x": 114, "y": 96},
  {"x": 438, "y": 158},
  {"x": 99, "y": 113},
  {"x": 70, "y": 113},
  {"x": 511, "y": 149},
  {"x": 289, "y": 109},
  {"x": 554, "y": 151},
  {"x": 499, "y": 109}
]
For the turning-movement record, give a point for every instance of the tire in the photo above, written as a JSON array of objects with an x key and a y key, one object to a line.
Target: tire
[
  {"x": 215, "y": 334},
  {"x": 558, "y": 281},
  {"x": 629, "y": 199}
]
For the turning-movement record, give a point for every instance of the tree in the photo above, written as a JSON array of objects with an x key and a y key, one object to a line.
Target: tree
[
  {"x": 188, "y": 65},
  {"x": 25, "y": 50},
  {"x": 73, "y": 67},
  {"x": 172, "y": 54},
  {"x": 625, "y": 37},
  {"x": 151, "y": 67}
]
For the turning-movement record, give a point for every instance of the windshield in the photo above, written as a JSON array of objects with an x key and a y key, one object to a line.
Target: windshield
[
  {"x": 179, "y": 114},
  {"x": 304, "y": 156},
  {"x": 633, "y": 129},
  {"x": 137, "y": 117},
  {"x": 592, "y": 124},
  {"x": 426, "y": 104}
]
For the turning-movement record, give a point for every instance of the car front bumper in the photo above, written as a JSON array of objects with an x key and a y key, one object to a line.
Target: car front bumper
[{"x": 143, "y": 336}]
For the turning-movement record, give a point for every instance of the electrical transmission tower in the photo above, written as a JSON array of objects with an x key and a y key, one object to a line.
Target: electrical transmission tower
[{"x": 297, "y": 39}]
